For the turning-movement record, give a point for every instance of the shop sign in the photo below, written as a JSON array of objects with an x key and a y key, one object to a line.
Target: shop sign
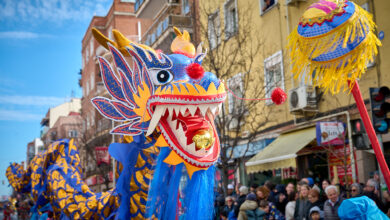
[{"x": 330, "y": 133}]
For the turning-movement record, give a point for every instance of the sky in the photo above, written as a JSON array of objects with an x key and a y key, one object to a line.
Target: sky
[{"x": 40, "y": 57}]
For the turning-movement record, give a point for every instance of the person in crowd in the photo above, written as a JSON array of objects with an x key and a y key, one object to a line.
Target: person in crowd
[
  {"x": 316, "y": 213},
  {"x": 314, "y": 198},
  {"x": 230, "y": 190},
  {"x": 237, "y": 191},
  {"x": 264, "y": 209},
  {"x": 302, "y": 205},
  {"x": 290, "y": 207},
  {"x": 332, "y": 204},
  {"x": 219, "y": 202},
  {"x": 299, "y": 184},
  {"x": 271, "y": 187},
  {"x": 386, "y": 197},
  {"x": 370, "y": 192},
  {"x": 229, "y": 207},
  {"x": 241, "y": 199},
  {"x": 290, "y": 188},
  {"x": 224, "y": 215},
  {"x": 325, "y": 183},
  {"x": 253, "y": 188},
  {"x": 356, "y": 190},
  {"x": 249, "y": 205},
  {"x": 281, "y": 202},
  {"x": 263, "y": 193}
]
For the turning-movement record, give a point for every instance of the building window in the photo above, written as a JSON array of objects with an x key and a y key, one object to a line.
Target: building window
[
  {"x": 82, "y": 62},
  {"x": 236, "y": 106},
  {"x": 165, "y": 23},
  {"x": 72, "y": 134},
  {"x": 88, "y": 125},
  {"x": 91, "y": 47},
  {"x": 87, "y": 54},
  {"x": 236, "y": 85},
  {"x": 92, "y": 81},
  {"x": 273, "y": 74},
  {"x": 231, "y": 18},
  {"x": 110, "y": 33},
  {"x": 186, "y": 6},
  {"x": 87, "y": 89},
  {"x": 214, "y": 30},
  {"x": 266, "y": 5},
  {"x": 159, "y": 29}
]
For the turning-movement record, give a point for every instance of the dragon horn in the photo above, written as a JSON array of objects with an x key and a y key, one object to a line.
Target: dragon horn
[
  {"x": 122, "y": 42},
  {"x": 99, "y": 37}
]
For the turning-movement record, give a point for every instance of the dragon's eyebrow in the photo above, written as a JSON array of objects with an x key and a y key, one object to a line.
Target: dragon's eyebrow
[{"x": 150, "y": 58}]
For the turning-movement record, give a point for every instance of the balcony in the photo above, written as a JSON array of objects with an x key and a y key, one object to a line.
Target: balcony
[
  {"x": 149, "y": 8},
  {"x": 160, "y": 34}
]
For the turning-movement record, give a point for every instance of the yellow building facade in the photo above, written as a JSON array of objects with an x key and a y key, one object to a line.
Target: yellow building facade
[{"x": 225, "y": 22}]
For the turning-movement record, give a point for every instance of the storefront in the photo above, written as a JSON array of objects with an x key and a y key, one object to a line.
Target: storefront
[
  {"x": 281, "y": 155},
  {"x": 301, "y": 153}
]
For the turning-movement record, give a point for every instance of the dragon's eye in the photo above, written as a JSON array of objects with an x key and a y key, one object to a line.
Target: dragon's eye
[{"x": 162, "y": 77}]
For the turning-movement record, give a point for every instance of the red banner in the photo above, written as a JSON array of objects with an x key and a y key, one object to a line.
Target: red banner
[
  {"x": 336, "y": 158},
  {"x": 102, "y": 155}
]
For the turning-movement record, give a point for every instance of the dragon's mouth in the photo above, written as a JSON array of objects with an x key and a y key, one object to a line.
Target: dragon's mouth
[{"x": 187, "y": 124}]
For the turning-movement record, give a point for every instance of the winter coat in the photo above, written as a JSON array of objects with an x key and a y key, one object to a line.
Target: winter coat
[
  {"x": 256, "y": 214},
  {"x": 248, "y": 205},
  {"x": 302, "y": 208},
  {"x": 330, "y": 211},
  {"x": 290, "y": 209},
  {"x": 240, "y": 201},
  {"x": 317, "y": 203}
]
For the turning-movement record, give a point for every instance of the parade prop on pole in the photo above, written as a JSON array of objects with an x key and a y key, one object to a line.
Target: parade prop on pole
[{"x": 335, "y": 40}]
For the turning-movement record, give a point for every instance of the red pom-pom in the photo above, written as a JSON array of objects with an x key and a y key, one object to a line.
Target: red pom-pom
[
  {"x": 278, "y": 96},
  {"x": 195, "y": 71}
]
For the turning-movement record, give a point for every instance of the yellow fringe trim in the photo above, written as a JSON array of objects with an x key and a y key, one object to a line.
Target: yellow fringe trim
[{"x": 334, "y": 74}]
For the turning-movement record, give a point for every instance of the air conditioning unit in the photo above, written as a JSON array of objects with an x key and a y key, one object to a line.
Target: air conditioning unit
[
  {"x": 302, "y": 99},
  {"x": 293, "y": 1}
]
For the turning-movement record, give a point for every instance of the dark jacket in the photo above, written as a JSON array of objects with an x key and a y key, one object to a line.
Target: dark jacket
[
  {"x": 256, "y": 214},
  {"x": 376, "y": 199},
  {"x": 302, "y": 208},
  {"x": 240, "y": 201},
  {"x": 330, "y": 211},
  {"x": 317, "y": 203}
]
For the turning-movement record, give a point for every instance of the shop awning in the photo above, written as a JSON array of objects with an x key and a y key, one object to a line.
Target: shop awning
[{"x": 281, "y": 153}]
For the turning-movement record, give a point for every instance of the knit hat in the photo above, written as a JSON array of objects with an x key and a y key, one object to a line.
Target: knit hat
[
  {"x": 244, "y": 190},
  {"x": 251, "y": 196}
]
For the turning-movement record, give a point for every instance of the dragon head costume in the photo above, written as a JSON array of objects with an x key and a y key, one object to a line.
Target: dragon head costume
[{"x": 166, "y": 106}]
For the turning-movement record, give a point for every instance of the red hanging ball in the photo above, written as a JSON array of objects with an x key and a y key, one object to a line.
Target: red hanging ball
[
  {"x": 195, "y": 71},
  {"x": 278, "y": 96}
]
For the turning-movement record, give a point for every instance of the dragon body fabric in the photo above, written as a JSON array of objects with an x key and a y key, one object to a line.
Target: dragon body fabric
[{"x": 165, "y": 106}]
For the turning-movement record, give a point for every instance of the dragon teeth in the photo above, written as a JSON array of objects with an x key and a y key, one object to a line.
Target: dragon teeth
[
  {"x": 160, "y": 110},
  {"x": 175, "y": 109},
  {"x": 192, "y": 109},
  {"x": 203, "y": 109}
]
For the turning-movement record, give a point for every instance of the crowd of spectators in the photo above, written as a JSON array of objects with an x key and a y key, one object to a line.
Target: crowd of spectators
[{"x": 304, "y": 200}]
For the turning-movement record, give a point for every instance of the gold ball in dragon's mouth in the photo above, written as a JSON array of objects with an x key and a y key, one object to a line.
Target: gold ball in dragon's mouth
[{"x": 203, "y": 139}]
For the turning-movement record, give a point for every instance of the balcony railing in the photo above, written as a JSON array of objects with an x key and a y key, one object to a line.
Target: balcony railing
[{"x": 159, "y": 29}]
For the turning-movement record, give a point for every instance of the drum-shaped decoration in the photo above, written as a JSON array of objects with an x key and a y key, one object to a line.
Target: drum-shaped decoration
[{"x": 334, "y": 42}]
